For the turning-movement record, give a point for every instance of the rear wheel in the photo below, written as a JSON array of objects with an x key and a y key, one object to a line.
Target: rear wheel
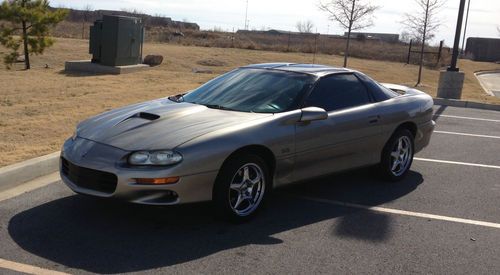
[
  {"x": 397, "y": 155},
  {"x": 241, "y": 187}
]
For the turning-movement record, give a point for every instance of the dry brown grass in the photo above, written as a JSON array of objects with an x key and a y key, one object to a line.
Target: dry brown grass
[
  {"x": 306, "y": 43},
  {"x": 40, "y": 108}
]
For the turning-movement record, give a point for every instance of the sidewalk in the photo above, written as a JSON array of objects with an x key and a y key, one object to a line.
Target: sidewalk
[{"x": 491, "y": 82}]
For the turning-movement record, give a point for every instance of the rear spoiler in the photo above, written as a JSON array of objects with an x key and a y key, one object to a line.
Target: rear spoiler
[{"x": 400, "y": 89}]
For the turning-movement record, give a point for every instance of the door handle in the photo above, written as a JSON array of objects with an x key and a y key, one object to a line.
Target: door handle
[{"x": 373, "y": 119}]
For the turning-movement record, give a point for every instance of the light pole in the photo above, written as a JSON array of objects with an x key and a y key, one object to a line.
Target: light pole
[
  {"x": 451, "y": 81},
  {"x": 246, "y": 17},
  {"x": 465, "y": 27},
  {"x": 458, "y": 31}
]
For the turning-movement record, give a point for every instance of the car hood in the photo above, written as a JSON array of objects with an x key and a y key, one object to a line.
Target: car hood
[{"x": 158, "y": 124}]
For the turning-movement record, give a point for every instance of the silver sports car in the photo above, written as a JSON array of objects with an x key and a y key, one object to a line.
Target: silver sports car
[{"x": 240, "y": 135}]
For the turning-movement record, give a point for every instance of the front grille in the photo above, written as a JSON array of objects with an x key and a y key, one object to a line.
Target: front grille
[{"x": 89, "y": 178}]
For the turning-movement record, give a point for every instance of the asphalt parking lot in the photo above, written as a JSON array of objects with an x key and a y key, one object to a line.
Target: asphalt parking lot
[{"x": 444, "y": 218}]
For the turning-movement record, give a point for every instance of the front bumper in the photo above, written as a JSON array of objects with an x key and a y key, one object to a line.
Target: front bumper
[{"x": 103, "y": 164}]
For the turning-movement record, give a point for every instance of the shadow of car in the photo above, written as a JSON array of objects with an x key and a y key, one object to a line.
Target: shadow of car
[{"x": 112, "y": 237}]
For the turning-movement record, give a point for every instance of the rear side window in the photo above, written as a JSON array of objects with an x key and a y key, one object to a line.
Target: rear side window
[
  {"x": 379, "y": 92},
  {"x": 338, "y": 92}
]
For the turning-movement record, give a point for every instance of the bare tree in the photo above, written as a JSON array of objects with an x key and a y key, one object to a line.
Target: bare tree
[
  {"x": 351, "y": 15},
  {"x": 422, "y": 25},
  {"x": 86, "y": 14},
  {"x": 305, "y": 26},
  {"x": 405, "y": 37}
]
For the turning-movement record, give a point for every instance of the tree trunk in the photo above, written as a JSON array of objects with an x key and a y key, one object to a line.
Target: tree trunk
[
  {"x": 423, "y": 45},
  {"x": 346, "y": 52},
  {"x": 25, "y": 42}
]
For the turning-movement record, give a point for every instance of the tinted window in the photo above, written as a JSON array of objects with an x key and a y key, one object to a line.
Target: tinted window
[
  {"x": 253, "y": 90},
  {"x": 338, "y": 92},
  {"x": 379, "y": 92}
]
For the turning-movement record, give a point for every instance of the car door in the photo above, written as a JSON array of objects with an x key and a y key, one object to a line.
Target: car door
[{"x": 348, "y": 138}]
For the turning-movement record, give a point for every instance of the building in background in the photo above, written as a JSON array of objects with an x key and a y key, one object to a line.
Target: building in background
[
  {"x": 483, "y": 49},
  {"x": 387, "y": 37}
]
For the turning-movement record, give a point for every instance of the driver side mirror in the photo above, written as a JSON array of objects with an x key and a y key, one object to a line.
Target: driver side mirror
[{"x": 312, "y": 114}]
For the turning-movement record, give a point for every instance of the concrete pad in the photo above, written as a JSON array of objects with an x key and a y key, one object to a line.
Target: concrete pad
[
  {"x": 85, "y": 66},
  {"x": 450, "y": 84}
]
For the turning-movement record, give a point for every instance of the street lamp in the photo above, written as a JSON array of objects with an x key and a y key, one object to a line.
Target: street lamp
[
  {"x": 451, "y": 81},
  {"x": 465, "y": 27},
  {"x": 246, "y": 16}
]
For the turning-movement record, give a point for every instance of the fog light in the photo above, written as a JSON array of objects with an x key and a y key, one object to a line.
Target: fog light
[{"x": 157, "y": 181}]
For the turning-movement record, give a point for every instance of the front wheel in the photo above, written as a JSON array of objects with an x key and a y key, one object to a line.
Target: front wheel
[
  {"x": 397, "y": 155},
  {"x": 241, "y": 187}
]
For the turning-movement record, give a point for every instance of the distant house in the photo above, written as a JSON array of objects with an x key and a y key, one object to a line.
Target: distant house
[
  {"x": 148, "y": 20},
  {"x": 280, "y": 32},
  {"x": 483, "y": 49},
  {"x": 272, "y": 32},
  {"x": 387, "y": 37}
]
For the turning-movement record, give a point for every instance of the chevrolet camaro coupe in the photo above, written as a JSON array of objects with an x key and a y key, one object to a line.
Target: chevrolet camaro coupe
[{"x": 235, "y": 138}]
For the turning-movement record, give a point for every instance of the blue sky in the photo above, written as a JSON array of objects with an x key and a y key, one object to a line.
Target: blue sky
[{"x": 283, "y": 14}]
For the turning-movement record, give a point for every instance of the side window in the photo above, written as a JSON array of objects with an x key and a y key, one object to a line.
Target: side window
[
  {"x": 378, "y": 92},
  {"x": 338, "y": 92}
]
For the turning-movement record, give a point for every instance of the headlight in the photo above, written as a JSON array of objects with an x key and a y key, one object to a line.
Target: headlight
[{"x": 162, "y": 157}]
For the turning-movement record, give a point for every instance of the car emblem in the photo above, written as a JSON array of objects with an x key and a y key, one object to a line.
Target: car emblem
[{"x": 85, "y": 153}]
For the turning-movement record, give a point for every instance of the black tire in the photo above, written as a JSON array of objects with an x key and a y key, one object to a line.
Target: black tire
[
  {"x": 387, "y": 160},
  {"x": 224, "y": 197}
]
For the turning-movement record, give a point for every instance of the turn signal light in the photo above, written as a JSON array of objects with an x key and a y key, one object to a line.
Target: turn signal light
[{"x": 158, "y": 181}]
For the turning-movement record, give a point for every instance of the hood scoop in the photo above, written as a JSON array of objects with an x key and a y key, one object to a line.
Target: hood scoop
[{"x": 145, "y": 115}]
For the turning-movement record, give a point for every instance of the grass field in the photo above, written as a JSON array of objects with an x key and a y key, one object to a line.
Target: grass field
[
  {"x": 40, "y": 108},
  {"x": 258, "y": 40}
]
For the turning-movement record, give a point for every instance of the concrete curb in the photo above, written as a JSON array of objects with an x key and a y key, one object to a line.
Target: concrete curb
[
  {"x": 486, "y": 72},
  {"x": 466, "y": 104},
  {"x": 15, "y": 174}
]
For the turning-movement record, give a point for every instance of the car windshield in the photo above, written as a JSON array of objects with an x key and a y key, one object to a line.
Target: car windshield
[{"x": 252, "y": 90}]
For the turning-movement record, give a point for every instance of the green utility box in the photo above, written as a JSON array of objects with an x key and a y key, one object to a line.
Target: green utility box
[{"x": 116, "y": 40}]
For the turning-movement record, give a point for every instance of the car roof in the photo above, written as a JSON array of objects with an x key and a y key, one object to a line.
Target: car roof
[{"x": 314, "y": 69}]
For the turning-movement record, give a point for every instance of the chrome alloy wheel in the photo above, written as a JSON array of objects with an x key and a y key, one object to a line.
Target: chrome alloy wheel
[
  {"x": 401, "y": 156},
  {"x": 246, "y": 189}
]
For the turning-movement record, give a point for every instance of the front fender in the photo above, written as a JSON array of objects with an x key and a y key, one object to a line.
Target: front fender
[{"x": 277, "y": 133}]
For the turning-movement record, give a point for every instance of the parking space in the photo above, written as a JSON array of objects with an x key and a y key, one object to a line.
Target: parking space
[{"x": 443, "y": 218}]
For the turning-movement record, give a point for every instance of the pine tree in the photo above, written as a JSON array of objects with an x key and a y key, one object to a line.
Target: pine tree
[{"x": 27, "y": 23}]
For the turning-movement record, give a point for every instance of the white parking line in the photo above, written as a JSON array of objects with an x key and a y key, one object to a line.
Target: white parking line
[
  {"x": 472, "y": 118},
  {"x": 458, "y": 163},
  {"x": 466, "y": 134},
  {"x": 29, "y": 269},
  {"x": 404, "y": 212}
]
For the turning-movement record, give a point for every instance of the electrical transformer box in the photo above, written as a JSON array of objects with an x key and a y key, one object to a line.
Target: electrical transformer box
[{"x": 116, "y": 40}]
